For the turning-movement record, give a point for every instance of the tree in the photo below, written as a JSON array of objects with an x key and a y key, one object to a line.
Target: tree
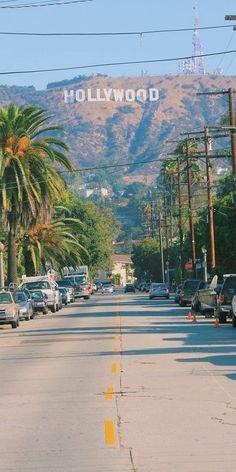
[
  {"x": 99, "y": 231},
  {"x": 29, "y": 182},
  {"x": 55, "y": 243},
  {"x": 147, "y": 261}
]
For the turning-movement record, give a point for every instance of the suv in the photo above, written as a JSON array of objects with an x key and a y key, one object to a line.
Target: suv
[
  {"x": 9, "y": 309},
  {"x": 225, "y": 298},
  {"x": 190, "y": 286}
]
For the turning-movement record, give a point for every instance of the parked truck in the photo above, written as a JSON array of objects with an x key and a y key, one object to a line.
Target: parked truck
[{"x": 47, "y": 285}]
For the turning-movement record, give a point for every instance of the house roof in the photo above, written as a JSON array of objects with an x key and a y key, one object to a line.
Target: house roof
[{"x": 122, "y": 258}]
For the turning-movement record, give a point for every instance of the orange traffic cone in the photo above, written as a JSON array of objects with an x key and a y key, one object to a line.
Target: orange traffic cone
[
  {"x": 189, "y": 316},
  {"x": 217, "y": 323},
  {"x": 194, "y": 319}
]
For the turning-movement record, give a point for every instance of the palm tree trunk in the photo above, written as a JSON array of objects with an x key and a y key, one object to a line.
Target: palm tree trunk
[
  {"x": 12, "y": 259},
  {"x": 28, "y": 262}
]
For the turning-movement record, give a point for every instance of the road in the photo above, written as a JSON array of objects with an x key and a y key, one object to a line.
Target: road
[{"x": 118, "y": 384}]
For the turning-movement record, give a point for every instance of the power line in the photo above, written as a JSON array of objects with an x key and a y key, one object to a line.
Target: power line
[
  {"x": 109, "y": 64},
  {"x": 115, "y": 33},
  {"x": 45, "y": 4}
]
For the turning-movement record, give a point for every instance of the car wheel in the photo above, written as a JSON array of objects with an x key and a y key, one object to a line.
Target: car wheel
[
  {"x": 181, "y": 303},
  {"x": 87, "y": 297},
  {"x": 28, "y": 316},
  {"x": 45, "y": 311},
  {"x": 66, "y": 303},
  {"x": 54, "y": 308},
  {"x": 15, "y": 323},
  {"x": 234, "y": 321},
  {"x": 222, "y": 318}
]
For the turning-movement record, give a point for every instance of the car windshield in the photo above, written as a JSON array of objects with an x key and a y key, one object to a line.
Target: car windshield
[
  {"x": 158, "y": 285},
  {"x": 21, "y": 297},
  {"x": 5, "y": 298},
  {"x": 40, "y": 284},
  {"x": 37, "y": 295},
  {"x": 62, "y": 290}
]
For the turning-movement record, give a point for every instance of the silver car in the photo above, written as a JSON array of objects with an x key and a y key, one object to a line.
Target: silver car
[
  {"x": 9, "y": 309},
  {"x": 25, "y": 304},
  {"x": 159, "y": 290},
  {"x": 107, "y": 288}
]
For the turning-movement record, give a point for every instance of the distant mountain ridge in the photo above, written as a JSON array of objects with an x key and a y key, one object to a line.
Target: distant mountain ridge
[{"x": 104, "y": 132}]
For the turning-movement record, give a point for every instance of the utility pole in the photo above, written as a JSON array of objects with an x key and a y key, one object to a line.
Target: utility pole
[
  {"x": 181, "y": 234},
  {"x": 161, "y": 250},
  {"x": 230, "y": 92},
  {"x": 190, "y": 203},
  {"x": 210, "y": 200}
]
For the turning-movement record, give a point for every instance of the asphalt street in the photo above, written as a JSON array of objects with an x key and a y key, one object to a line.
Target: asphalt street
[{"x": 116, "y": 384}]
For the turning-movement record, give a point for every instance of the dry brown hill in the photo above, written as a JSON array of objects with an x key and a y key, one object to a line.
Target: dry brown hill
[{"x": 108, "y": 132}]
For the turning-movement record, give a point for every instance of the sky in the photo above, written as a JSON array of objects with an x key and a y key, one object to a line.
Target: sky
[{"x": 21, "y": 53}]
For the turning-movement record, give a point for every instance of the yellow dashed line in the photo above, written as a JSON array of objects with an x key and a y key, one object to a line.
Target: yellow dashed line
[
  {"x": 109, "y": 394},
  {"x": 110, "y": 437},
  {"x": 114, "y": 368},
  {"x": 116, "y": 349}
]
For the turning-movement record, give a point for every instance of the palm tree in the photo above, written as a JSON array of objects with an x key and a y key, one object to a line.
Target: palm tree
[
  {"x": 29, "y": 182},
  {"x": 55, "y": 243}
]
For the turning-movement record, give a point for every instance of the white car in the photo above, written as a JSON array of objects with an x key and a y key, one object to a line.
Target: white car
[{"x": 107, "y": 288}]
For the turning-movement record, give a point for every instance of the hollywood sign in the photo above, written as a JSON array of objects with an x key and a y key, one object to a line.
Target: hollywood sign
[{"x": 107, "y": 95}]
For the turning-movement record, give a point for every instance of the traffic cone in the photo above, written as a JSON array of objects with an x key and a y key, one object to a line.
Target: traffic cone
[
  {"x": 194, "y": 319},
  {"x": 217, "y": 323},
  {"x": 189, "y": 316}
]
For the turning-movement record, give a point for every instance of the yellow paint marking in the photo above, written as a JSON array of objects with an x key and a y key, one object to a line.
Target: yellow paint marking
[
  {"x": 116, "y": 349},
  {"x": 109, "y": 394},
  {"x": 110, "y": 437},
  {"x": 114, "y": 368},
  {"x": 117, "y": 338}
]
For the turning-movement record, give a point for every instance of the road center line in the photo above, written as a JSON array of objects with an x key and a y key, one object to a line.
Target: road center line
[
  {"x": 110, "y": 438},
  {"x": 109, "y": 394},
  {"x": 114, "y": 368}
]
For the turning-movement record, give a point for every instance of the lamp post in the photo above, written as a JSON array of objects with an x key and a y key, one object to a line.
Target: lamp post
[
  {"x": 204, "y": 252},
  {"x": 1, "y": 265}
]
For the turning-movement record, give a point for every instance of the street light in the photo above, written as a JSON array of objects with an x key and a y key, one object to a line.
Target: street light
[
  {"x": 204, "y": 252},
  {"x": 1, "y": 265}
]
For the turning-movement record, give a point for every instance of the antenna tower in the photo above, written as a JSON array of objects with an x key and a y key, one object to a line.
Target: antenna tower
[{"x": 199, "y": 68}]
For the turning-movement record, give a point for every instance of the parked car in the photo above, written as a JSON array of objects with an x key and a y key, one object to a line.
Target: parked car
[
  {"x": 129, "y": 288},
  {"x": 65, "y": 296},
  {"x": 67, "y": 283},
  {"x": 225, "y": 298},
  {"x": 107, "y": 287},
  {"x": 79, "y": 290},
  {"x": 39, "y": 302},
  {"x": 159, "y": 290},
  {"x": 188, "y": 290},
  {"x": 205, "y": 299},
  {"x": 234, "y": 311},
  {"x": 25, "y": 304},
  {"x": 177, "y": 293},
  {"x": 9, "y": 309}
]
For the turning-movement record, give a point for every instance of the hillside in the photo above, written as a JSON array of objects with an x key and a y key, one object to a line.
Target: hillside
[{"x": 109, "y": 131}]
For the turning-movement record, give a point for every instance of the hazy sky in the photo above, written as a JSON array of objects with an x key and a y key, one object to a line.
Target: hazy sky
[{"x": 19, "y": 53}]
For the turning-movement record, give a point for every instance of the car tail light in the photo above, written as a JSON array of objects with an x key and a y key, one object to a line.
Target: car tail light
[
  {"x": 166, "y": 290},
  {"x": 222, "y": 298}
]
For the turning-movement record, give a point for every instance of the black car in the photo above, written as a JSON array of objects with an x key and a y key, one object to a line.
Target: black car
[
  {"x": 39, "y": 302},
  {"x": 225, "y": 298},
  {"x": 130, "y": 288},
  {"x": 190, "y": 286}
]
